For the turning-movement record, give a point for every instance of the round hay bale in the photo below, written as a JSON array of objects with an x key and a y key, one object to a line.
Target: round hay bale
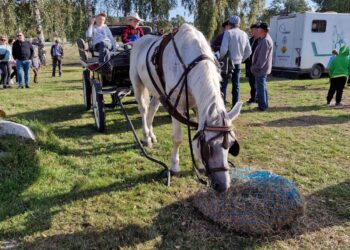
[{"x": 257, "y": 203}]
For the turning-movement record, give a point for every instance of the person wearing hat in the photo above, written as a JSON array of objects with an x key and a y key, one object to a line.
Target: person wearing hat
[
  {"x": 56, "y": 55},
  {"x": 262, "y": 65},
  {"x": 132, "y": 31},
  {"x": 101, "y": 37},
  {"x": 227, "y": 68},
  {"x": 253, "y": 41},
  {"x": 235, "y": 43}
]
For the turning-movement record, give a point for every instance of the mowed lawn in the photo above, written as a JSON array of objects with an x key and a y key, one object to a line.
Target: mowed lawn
[{"x": 75, "y": 188}]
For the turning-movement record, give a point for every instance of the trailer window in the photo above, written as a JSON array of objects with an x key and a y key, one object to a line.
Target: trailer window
[{"x": 319, "y": 26}]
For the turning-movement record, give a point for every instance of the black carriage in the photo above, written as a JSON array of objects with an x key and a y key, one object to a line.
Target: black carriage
[{"x": 111, "y": 78}]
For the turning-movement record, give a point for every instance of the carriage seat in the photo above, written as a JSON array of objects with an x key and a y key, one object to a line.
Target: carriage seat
[{"x": 83, "y": 48}]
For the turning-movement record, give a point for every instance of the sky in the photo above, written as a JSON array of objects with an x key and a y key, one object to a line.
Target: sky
[{"x": 181, "y": 11}]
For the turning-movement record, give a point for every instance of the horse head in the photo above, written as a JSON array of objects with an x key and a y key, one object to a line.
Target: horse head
[{"x": 212, "y": 144}]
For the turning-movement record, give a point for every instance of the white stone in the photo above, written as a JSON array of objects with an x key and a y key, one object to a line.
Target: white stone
[{"x": 12, "y": 128}]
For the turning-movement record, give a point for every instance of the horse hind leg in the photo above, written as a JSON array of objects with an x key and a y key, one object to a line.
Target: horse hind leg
[
  {"x": 142, "y": 98},
  {"x": 153, "y": 107}
]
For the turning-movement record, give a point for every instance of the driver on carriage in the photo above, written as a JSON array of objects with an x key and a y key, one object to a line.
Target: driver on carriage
[
  {"x": 132, "y": 31},
  {"x": 102, "y": 39}
]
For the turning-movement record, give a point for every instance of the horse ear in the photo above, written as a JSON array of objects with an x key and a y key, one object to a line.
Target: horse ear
[{"x": 236, "y": 110}]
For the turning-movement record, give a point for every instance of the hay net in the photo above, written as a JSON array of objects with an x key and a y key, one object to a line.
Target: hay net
[{"x": 257, "y": 202}]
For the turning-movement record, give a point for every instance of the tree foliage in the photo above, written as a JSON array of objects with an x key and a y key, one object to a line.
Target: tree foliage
[
  {"x": 341, "y": 6},
  {"x": 284, "y": 6}
]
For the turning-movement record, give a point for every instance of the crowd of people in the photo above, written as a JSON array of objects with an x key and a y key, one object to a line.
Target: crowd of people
[
  {"x": 19, "y": 56},
  {"x": 233, "y": 47}
]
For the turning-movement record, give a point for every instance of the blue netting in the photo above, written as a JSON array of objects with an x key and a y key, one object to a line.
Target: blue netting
[{"x": 257, "y": 202}]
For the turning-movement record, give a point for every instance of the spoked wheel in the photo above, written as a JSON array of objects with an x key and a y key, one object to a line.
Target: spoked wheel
[
  {"x": 87, "y": 89},
  {"x": 98, "y": 106}
]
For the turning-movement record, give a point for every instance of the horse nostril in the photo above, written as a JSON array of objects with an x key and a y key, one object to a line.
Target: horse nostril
[{"x": 219, "y": 188}]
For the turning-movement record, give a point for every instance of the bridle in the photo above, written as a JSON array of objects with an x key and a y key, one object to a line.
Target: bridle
[{"x": 182, "y": 83}]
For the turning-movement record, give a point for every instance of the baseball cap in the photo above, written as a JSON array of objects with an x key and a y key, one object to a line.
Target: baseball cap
[
  {"x": 234, "y": 20},
  {"x": 254, "y": 26},
  {"x": 102, "y": 14}
]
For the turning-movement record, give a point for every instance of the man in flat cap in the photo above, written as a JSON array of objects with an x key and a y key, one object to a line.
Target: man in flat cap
[
  {"x": 236, "y": 44},
  {"x": 253, "y": 41},
  {"x": 262, "y": 65}
]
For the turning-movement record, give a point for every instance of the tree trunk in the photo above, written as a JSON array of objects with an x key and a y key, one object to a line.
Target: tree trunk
[{"x": 40, "y": 32}]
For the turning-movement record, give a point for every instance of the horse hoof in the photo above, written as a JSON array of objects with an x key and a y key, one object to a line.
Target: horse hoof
[
  {"x": 154, "y": 140},
  {"x": 174, "y": 173},
  {"x": 147, "y": 143}
]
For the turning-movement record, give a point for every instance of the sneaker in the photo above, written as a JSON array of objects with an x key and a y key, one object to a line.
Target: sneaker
[
  {"x": 339, "y": 104},
  {"x": 20, "y": 87},
  {"x": 93, "y": 66},
  {"x": 257, "y": 109},
  {"x": 27, "y": 86},
  {"x": 250, "y": 101},
  {"x": 329, "y": 104}
]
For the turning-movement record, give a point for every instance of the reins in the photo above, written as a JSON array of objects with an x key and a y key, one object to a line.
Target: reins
[{"x": 182, "y": 84}]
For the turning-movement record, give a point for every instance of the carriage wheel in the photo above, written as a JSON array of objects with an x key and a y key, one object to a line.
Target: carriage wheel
[
  {"x": 87, "y": 89},
  {"x": 98, "y": 106}
]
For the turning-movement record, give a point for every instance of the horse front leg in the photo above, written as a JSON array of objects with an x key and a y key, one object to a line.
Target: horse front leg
[
  {"x": 153, "y": 107},
  {"x": 177, "y": 140}
]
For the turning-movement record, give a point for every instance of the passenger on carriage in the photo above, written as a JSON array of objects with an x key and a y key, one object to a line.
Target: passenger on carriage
[
  {"x": 102, "y": 39},
  {"x": 132, "y": 31}
]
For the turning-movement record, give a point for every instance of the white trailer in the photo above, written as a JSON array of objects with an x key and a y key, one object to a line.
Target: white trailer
[{"x": 303, "y": 42}]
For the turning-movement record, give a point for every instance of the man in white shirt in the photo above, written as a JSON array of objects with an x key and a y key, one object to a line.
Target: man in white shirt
[
  {"x": 236, "y": 44},
  {"x": 102, "y": 39}
]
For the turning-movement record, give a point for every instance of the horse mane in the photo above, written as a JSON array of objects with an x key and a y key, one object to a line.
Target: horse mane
[{"x": 204, "y": 79}]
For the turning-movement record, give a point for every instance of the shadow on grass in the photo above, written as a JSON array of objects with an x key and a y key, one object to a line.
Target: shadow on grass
[
  {"x": 39, "y": 209},
  {"x": 296, "y": 109},
  {"x": 180, "y": 225},
  {"x": 18, "y": 167},
  {"x": 305, "y": 121}
]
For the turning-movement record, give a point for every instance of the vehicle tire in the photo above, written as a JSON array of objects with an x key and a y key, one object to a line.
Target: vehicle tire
[
  {"x": 316, "y": 71},
  {"x": 98, "y": 106},
  {"x": 87, "y": 89}
]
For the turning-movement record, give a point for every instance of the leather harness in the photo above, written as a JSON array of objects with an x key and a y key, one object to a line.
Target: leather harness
[{"x": 157, "y": 61}]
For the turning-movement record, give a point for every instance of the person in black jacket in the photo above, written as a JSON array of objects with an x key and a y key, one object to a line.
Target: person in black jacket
[
  {"x": 254, "y": 40},
  {"x": 22, "y": 52},
  {"x": 57, "y": 55}
]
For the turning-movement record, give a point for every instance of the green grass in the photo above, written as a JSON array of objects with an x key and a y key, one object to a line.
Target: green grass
[{"x": 77, "y": 189}]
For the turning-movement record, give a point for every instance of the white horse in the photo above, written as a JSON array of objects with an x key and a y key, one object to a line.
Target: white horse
[{"x": 204, "y": 95}]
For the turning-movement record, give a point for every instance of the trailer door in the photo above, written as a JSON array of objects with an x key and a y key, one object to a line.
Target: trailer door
[{"x": 285, "y": 49}]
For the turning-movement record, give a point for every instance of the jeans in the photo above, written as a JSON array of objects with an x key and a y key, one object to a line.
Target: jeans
[
  {"x": 263, "y": 99},
  {"x": 103, "y": 49},
  {"x": 223, "y": 87},
  {"x": 337, "y": 86},
  {"x": 56, "y": 61},
  {"x": 23, "y": 66},
  {"x": 5, "y": 73},
  {"x": 235, "y": 84}
]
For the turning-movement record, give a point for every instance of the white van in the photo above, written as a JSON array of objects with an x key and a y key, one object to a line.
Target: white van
[{"x": 303, "y": 42}]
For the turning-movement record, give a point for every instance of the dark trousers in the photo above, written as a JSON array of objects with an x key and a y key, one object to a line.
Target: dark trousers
[
  {"x": 56, "y": 61},
  {"x": 252, "y": 84},
  {"x": 5, "y": 73},
  {"x": 337, "y": 86},
  {"x": 14, "y": 73}
]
